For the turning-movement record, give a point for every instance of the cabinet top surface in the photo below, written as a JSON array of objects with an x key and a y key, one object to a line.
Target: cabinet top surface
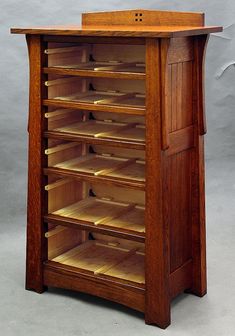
[{"x": 130, "y": 23}]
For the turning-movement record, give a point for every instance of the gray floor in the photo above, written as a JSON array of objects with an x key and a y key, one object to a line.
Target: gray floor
[{"x": 60, "y": 312}]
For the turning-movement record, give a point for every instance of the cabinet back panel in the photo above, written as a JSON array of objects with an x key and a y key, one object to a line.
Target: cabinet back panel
[
  {"x": 63, "y": 241},
  {"x": 119, "y": 194},
  {"x": 63, "y": 195},
  {"x": 115, "y": 52}
]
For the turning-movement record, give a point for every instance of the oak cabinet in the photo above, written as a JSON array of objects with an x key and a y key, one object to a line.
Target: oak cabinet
[{"x": 116, "y": 204}]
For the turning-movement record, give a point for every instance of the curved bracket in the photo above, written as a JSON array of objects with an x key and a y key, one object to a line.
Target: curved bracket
[
  {"x": 165, "y": 44},
  {"x": 199, "y": 54}
]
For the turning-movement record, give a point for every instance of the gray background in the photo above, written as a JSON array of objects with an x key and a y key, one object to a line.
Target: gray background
[{"x": 59, "y": 312}]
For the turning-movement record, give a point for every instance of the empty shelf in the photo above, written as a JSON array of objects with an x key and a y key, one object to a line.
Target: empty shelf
[
  {"x": 111, "y": 69},
  {"x": 109, "y": 259},
  {"x": 98, "y": 211},
  {"x": 105, "y": 130},
  {"x": 105, "y": 165},
  {"x": 107, "y": 66},
  {"x": 92, "y": 128},
  {"x": 134, "y": 171},
  {"x": 132, "y": 220},
  {"x": 129, "y": 99}
]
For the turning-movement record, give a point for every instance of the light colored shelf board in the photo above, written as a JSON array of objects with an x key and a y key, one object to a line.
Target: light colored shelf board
[
  {"x": 110, "y": 213},
  {"x": 128, "y": 73},
  {"x": 105, "y": 165},
  {"x": 107, "y": 66},
  {"x": 93, "y": 210},
  {"x": 104, "y": 129},
  {"x": 106, "y": 98},
  {"x": 93, "y": 128},
  {"x": 100, "y": 258},
  {"x": 136, "y": 133},
  {"x": 134, "y": 171},
  {"x": 132, "y": 220},
  {"x": 109, "y": 108}
]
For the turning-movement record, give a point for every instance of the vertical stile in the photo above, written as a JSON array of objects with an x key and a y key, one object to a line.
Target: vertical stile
[
  {"x": 157, "y": 298},
  {"x": 198, "y": 172},
  {"x": 36, "y": 242}
]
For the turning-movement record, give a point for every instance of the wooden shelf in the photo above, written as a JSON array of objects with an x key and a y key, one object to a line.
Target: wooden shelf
[
  {"x": 114, "y": 141},
  {"x": 103, "y": 213},
  {"x": 106, "y": 130},
  {"x": 130, "y": 99},
  {"x": 103, "y": 258},
  {"x": 105, "y": 165},
  {"x": 112, "y": 69},
  {"x": 106, "y": 101}
]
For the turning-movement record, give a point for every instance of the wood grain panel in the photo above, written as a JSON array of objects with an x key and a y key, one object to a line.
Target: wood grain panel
[
  {"x": 199, "y": 286},
  {"x": 136, "y": 17},
  {"x": 156, "y": 247},
  {"x": 174, "y": 93},
  {"x": 181, "y": 279},
  {"x": 181, "y": 140},
  {"x": 177, "y": 195},
  {"x": 119, "y": 31},
  {"x": 187, "y": 92},
  {"x": 36, "y": 243},
  {"x": 117, "y": 290},
  {"x": 180, "y": 98},
  {"x": 181, "y": 50}
]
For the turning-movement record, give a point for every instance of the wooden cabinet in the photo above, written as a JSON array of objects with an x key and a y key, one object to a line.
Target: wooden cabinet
[{"x": 116, "y": 160}]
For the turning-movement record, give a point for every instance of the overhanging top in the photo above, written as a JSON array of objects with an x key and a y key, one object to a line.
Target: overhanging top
[{"x": 131, "y": 23}]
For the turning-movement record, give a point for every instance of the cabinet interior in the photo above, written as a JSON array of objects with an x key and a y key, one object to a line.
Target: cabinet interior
[{"x": 79, "y": 204}]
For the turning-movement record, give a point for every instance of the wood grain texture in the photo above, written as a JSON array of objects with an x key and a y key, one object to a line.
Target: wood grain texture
[
  {"x": 108, "y": 230},
  {"x": 156, "y": 247},
  {"x": 180, "y": 98},
  {"x": 120, "y": 31},
  {"x": 137, "y": 17},
  {"x": 199, "y": 286},
  {"x": 106, "y": 180},
  {"x": 181, "y": 140},
  {"x": 177, "y": 196},
  {"x": 91, "y": 73},
  {"x": 174, "y": 191},
  {"x": 94, "y": 107},
  {"x": 130, "y": 23},
  {"x": 181, "y": 279},
  {"x": 200, "y": 51},
  {"x": 119, "y": 143},
  {"x": 180, "y": 50},
  {"x": 164, "y": 54},
  {"x": 36, "y": 242},
  {"x": 117, "y": 290}
]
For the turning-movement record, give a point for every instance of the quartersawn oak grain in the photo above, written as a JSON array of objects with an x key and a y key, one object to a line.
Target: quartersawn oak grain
[
  {"x": 164, "y": 31},
  {"x": 174, "y": 238},
  {"x": 36, "y": 251}
]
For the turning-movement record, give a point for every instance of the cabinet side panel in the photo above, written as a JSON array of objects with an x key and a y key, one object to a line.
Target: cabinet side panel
[
  {"x": 180, "y": 84},
  {"x": 36, "y": 242},
  {"x": 185, "y": 192},
  {"x": 178, "y": 199}
]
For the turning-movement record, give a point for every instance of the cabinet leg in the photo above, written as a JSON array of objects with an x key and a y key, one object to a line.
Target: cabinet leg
[
  {"x": 199, "y": 276},
  {"x": 39, "y": 289},
  {"x": 36, "y": 251},
  {"x": 158, "y": 317},
  {"x": 34, "y": 274}
]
